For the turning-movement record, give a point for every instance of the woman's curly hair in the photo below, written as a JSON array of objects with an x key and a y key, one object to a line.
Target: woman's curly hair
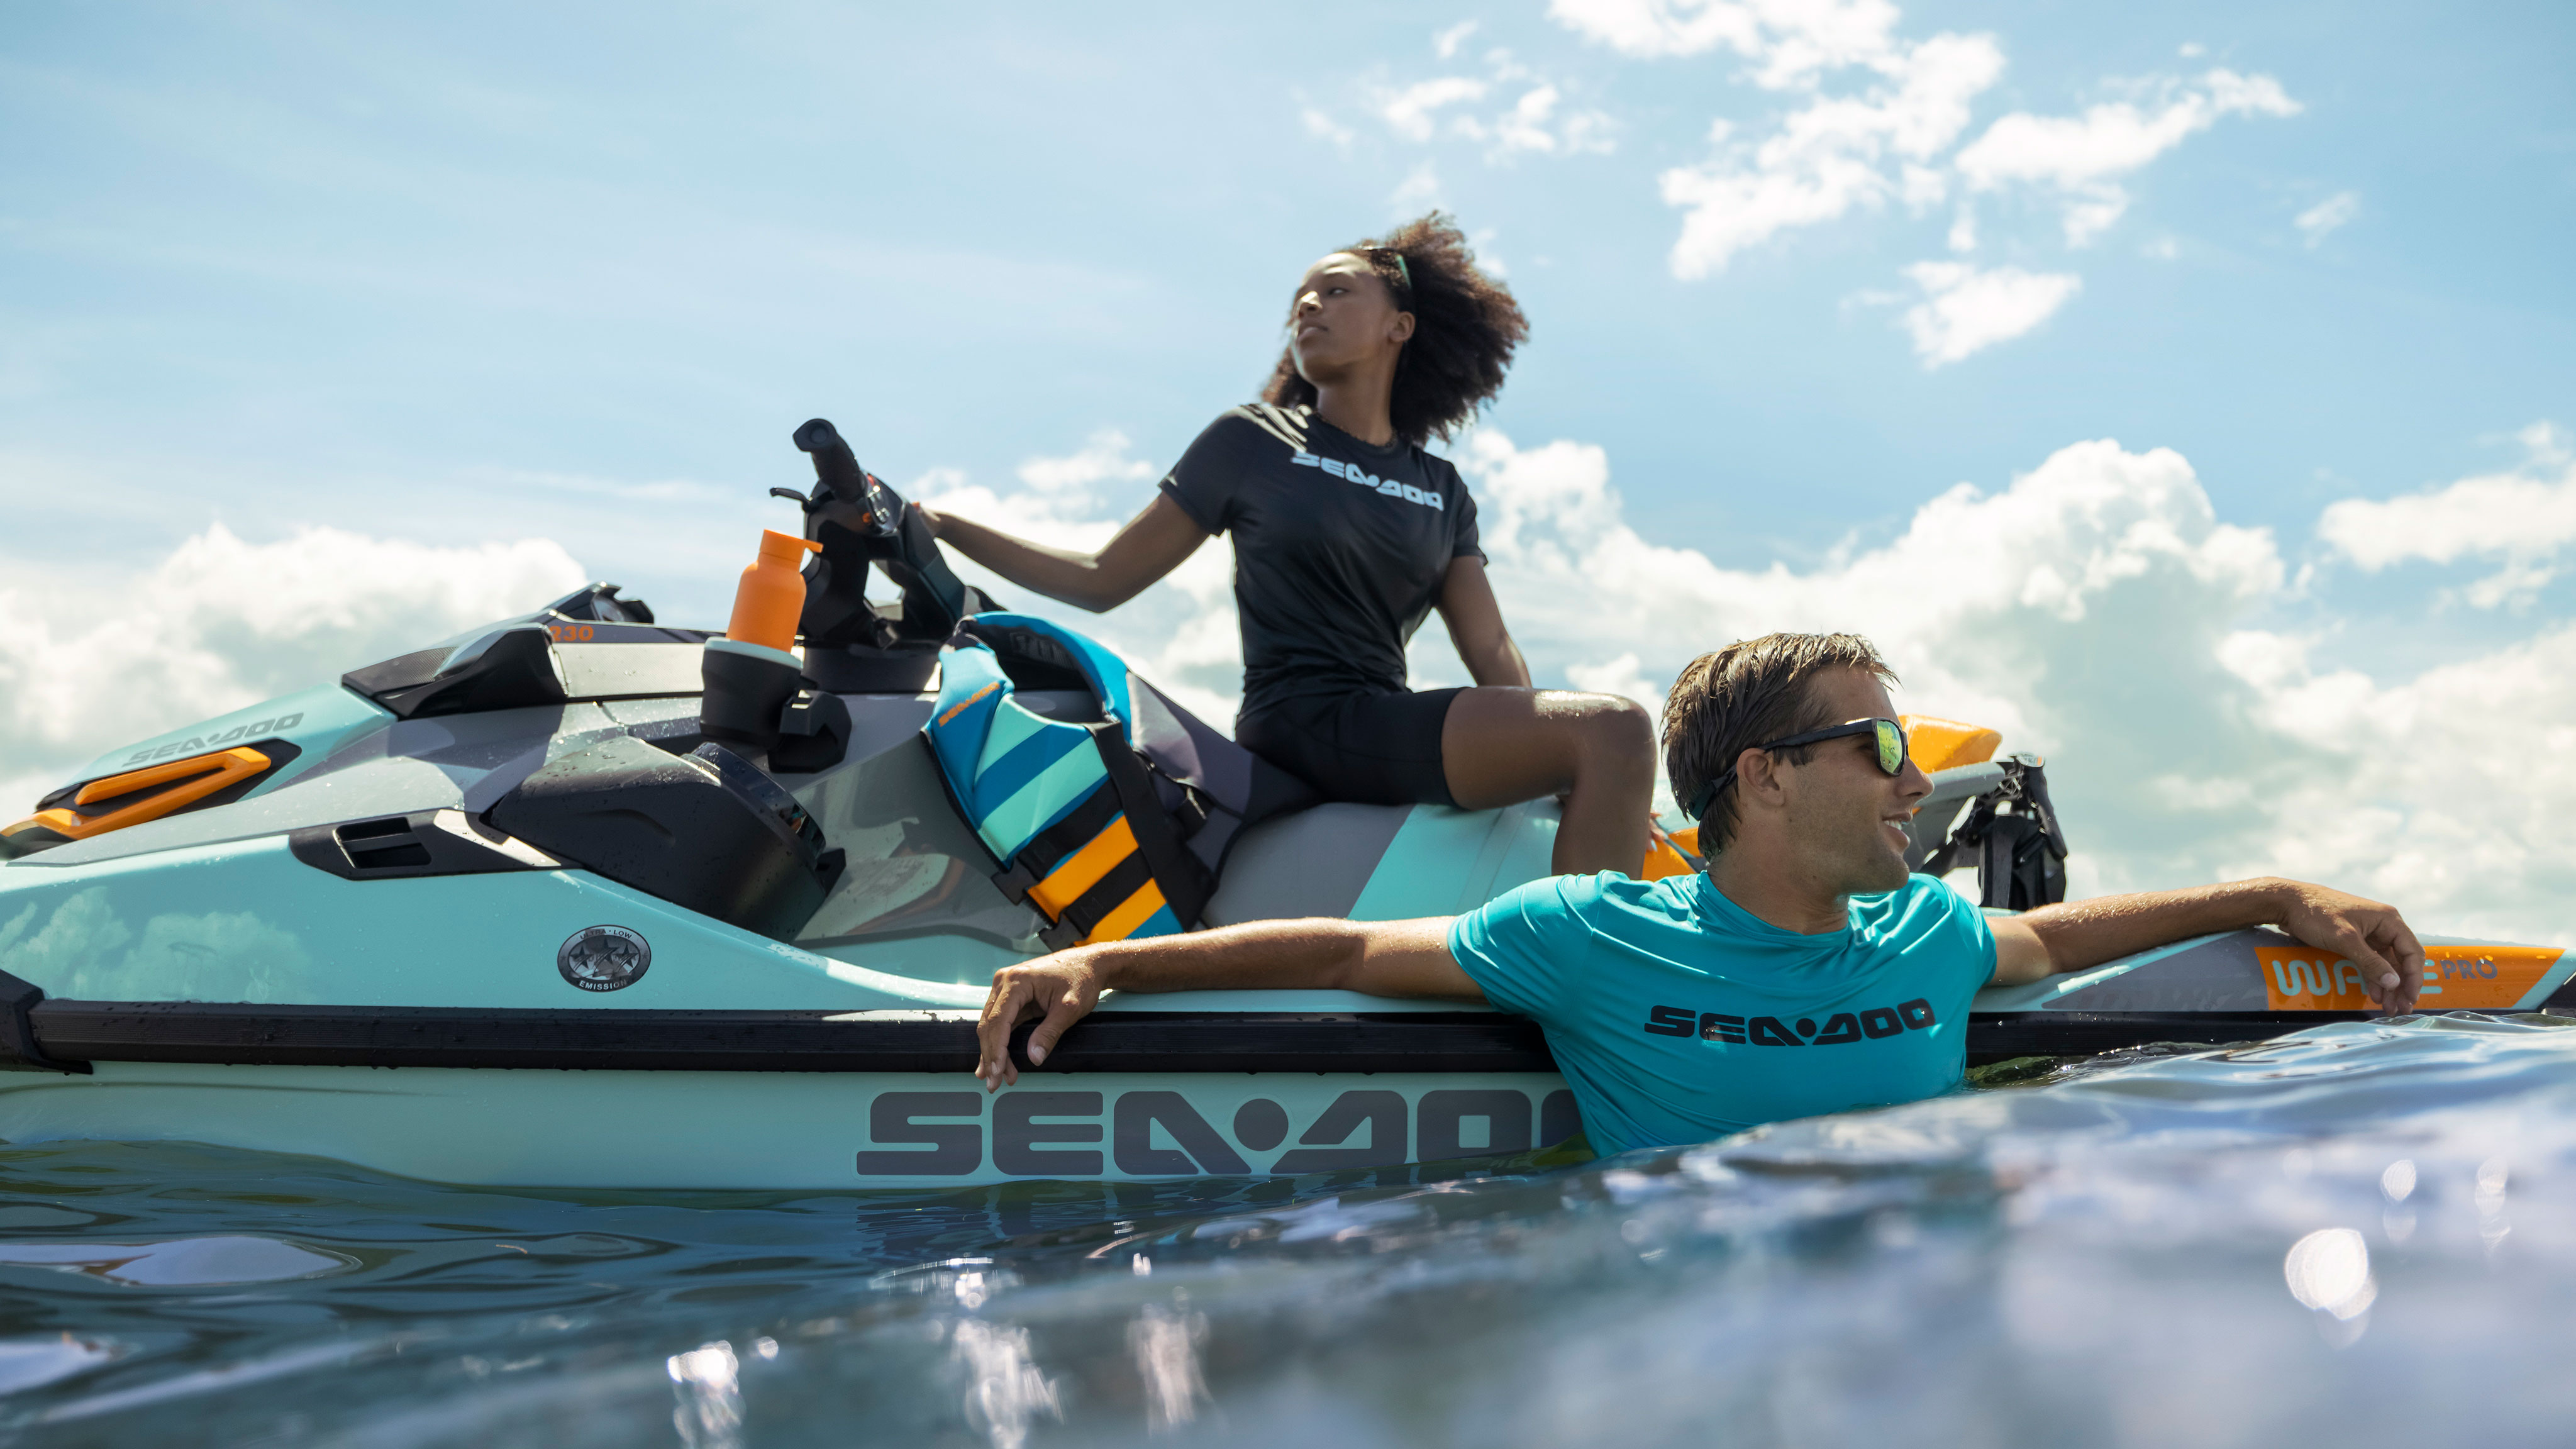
[{"x": 1465, "y": 327}]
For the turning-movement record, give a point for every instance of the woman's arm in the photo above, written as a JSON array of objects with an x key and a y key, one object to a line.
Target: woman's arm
[
  {"x": 1475, "y": 623},
  {"x": 1151, "y": 545}
]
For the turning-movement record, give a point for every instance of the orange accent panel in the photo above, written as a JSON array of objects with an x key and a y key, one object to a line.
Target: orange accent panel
[
  {"x": 214, "y": 772},
  {"x": 1083, "y": 869},
  {"x": 960, "y": 706},
  {"x": 1688, "y": 839},
  {"x": 771, "y": 596},
  {"x": 32, "y": 822},
  {"x": 1130, "y": 914},
  {"x": 1946, "y": 744},
  {"x": 2480, "y": 978},
  {"x": 1662, "y": 860}
]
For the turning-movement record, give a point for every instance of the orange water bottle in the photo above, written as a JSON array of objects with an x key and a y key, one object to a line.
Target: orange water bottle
[
  {"x": 750, "y": 674},
  {"x": 771, "y": 597}
]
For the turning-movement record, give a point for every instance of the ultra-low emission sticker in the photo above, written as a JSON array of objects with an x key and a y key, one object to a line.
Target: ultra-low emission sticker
[{"x": 604, "y": 958}]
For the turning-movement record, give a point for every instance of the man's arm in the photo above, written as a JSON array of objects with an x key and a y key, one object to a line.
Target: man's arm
[
  {"x": 1381, "y": 958},
  {"x": 2076, "y": 934}
]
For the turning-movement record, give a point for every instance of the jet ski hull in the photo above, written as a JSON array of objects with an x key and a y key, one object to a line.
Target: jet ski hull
[
  {"x": 642, "y": 1098},
  {"x": 352, "y": 958}
]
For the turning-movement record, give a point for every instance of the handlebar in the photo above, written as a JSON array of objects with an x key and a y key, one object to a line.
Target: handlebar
[
  {"x": 859, "y": 520},
  {"x": 838, "y": 472}
]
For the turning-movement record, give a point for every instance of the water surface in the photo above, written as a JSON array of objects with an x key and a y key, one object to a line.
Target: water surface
[{"x": 2361, "y": 1232}]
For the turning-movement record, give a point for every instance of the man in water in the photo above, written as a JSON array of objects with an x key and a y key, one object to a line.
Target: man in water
[{"x": 1806, "y": 929}]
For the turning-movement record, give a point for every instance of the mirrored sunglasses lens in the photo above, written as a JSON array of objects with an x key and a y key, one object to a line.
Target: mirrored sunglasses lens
[{"x": 1891, "y": 747}]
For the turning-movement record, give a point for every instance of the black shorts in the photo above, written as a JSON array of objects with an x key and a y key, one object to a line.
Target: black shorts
[{"x": 1379, "y": 747}]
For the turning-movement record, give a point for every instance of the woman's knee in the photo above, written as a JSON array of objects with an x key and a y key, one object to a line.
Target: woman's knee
[{"x": 1618, "y": 736}]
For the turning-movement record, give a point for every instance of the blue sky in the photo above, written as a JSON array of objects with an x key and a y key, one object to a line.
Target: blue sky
[
  {"x": 314, "y": 259},
  {"x": 496, "y": 276}
]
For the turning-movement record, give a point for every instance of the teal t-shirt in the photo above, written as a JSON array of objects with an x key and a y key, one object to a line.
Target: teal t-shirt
[{"x": 1677, "y": 1016}]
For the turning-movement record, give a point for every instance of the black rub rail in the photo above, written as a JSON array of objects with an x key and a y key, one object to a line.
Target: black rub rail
[{"x": 49, "y": 1035}]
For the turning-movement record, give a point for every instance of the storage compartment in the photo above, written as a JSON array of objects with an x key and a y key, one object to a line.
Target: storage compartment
[{"x": 705, "y": 831}]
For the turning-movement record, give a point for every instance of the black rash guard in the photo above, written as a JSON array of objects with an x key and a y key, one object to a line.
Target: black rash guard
[{"x": 1340, "y": 548}]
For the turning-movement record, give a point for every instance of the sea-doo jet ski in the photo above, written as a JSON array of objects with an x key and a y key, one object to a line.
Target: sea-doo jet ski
[{"x": 582, "y": 899}]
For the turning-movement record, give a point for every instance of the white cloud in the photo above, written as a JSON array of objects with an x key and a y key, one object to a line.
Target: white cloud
[
  {"x": 1418, "y": 192},
  {"x": 2315, "y": 222},
  {"x": 2524, "y": 518},
  {"x": 1963, "y": 230},
  {"x": 1445, "y": 44},
  {"x": 1790, "y": 42},
  {"x": 1324, "y": 128},
  {"x": 1102, "y": 458},
  {"x": 1833, "y": 155},
  {"x": 2083, "y": 156},
  {"x": 1965, "y": 310},
  {"x": 222, "y": 623},
  {"x": 1510, "y": 111},
  {"x": 1412, "y": 111},
  {"x": 1526, "y": 127},
  {"x": 2096, "y": 610}
]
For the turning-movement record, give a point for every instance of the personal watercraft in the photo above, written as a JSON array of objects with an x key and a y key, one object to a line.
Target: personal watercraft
[{"x": 582, "y": 899}]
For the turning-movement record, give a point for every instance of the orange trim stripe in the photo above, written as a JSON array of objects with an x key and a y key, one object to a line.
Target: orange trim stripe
[
  {"x": 1083, "y": 869},
  {"x": 214, "y": 772},
  {"x": 1131, "y": 913},
  {"x": 960, "y": 706}
]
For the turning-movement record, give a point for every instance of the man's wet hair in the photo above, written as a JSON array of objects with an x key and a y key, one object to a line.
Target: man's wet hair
[
  {"x": 1759, "y": 689},
  {"x": 1465, "y": 328}
]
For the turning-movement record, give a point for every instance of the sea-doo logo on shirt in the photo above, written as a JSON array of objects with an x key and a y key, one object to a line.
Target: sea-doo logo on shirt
[
  {"x": 1383, "y": 487},
  {"x": 1842, "y": 1026}
]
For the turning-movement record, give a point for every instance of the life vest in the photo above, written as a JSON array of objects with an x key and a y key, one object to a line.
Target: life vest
[{"x": 1113, "y": 826}]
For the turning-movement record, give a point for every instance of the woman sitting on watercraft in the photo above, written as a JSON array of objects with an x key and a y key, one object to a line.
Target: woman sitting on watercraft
[{"x": 1346, "y": 535}]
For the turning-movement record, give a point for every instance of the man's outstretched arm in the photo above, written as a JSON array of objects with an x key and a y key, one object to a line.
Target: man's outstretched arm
[
  {"x": 1381, "y": 958},
  {"x": 2076, "y": 934}
]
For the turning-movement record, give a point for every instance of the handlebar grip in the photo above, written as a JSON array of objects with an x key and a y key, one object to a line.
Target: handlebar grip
[{"x": 835, "y": 467}]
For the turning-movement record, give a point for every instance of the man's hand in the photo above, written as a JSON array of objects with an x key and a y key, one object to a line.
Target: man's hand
[
  {"x": 2370, "y": 935},
  {"x": 1061, "y": 988},
  {"x": 1379, "y": 958},
  {"x": 2076, "y": 935}
]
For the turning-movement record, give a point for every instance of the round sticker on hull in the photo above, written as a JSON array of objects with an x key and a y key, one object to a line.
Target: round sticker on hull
[{"x": 604, "y": 958}]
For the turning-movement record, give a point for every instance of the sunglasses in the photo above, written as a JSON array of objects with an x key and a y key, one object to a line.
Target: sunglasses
[
  {"x": 1892, "y": 754},
  {"x": 1403, "y": 272}
]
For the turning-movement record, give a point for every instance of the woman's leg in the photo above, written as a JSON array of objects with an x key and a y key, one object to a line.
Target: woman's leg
[{"x": 1499, "y": 746}]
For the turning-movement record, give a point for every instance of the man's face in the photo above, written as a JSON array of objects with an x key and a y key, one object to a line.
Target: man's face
[{"x": 1846, "y": 817}]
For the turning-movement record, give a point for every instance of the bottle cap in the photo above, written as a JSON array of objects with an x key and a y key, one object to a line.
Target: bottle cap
[{"x": 785, "y": 548}]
